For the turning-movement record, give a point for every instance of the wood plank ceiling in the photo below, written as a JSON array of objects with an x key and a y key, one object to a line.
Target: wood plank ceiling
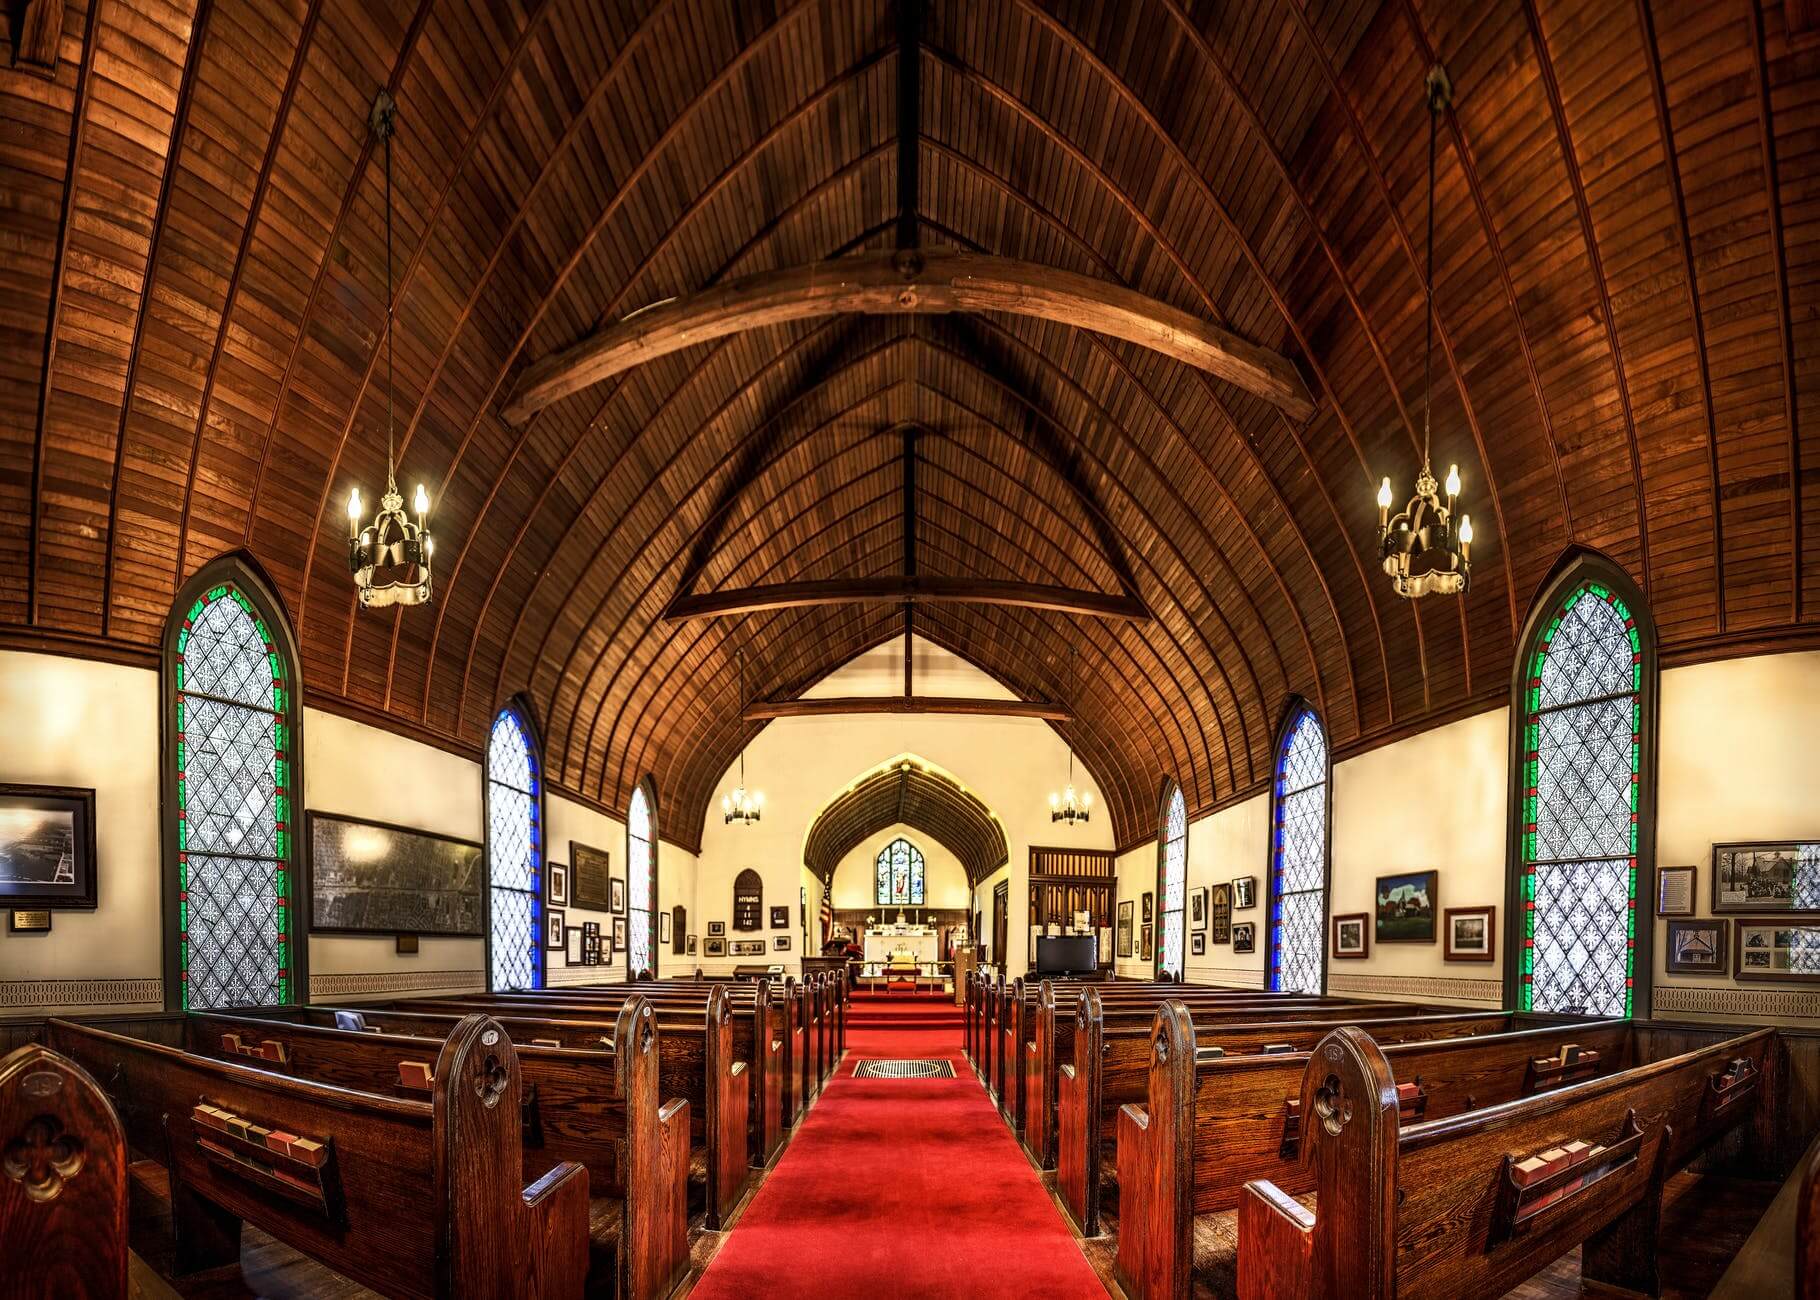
[{"x": 1628, "y": 351}]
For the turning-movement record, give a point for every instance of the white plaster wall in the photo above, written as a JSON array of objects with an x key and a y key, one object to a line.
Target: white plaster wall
[
  {"x": 856, "y": 878},
  {"x": 568, "y": 822}
]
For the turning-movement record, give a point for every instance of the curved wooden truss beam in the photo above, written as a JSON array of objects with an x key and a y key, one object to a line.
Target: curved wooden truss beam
[
  {"x": 837, "y": 705},
  {"x": 910, "y": 282},
  {"x": 902, "y": 590}
]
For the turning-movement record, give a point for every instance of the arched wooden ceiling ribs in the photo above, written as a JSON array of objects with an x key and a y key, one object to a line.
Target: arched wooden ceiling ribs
[
  {"x": 202, "y": 358},
  {"x": 911, "y": 794}
]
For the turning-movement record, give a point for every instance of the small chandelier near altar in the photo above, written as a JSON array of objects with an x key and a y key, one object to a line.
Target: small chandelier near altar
[
  {"x": 390, "y": 557},
  {"x": 1420, "y": 547},
  {"x": 1069, "y": 807},
  {"x": 742, "y": 805}
]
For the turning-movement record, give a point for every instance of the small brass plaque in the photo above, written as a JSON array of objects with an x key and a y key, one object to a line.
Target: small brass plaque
[{"x": 29, "y": 922}]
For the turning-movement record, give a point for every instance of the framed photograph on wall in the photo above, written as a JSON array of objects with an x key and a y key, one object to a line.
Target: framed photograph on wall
[
  {"x": 1148, "y": 918},
  {"x": 717, "y": 929},
  {"x": 1675, "y": 891},
  {"x": 1471, "y": 933},
  {"x": 1352, "y": 935},
  {"x": 1406, "y": 907},
  {"x": 1780, "y": 876},
  {"x": 781, "y": 942},
  {"x": 1197, "y": 908},
  {"x": 1776, "y": 950},
  {"x": 663, "y": 927},
  {"x": 589, "y": 869},
  {"x": 47, "y": 846},
  {"x": 714, "y": 947},
  {"x": 375, "y": 878},
  {"x": 1197, "y": 944},
  {"x": 616, "y": 895},
  {"x": 1698, "y": 947},
  {"x": 1244, "y": 893},
  {"x": 1126, "y": 908},
  {"x": 619, "y": 934},
  {"x": 780, "y": 917},
  {"x": 558, "y": 876},
  {"x": 556, "y": 932},
  {"x": 1219, "y": 913},
  {"x": 1147, "y": 950},
  {"x": 1245, "y": 937},
  {"x": 691, "y": 945}
]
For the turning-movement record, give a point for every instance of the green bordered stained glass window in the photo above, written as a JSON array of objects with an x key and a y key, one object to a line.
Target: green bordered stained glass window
[
  {"x": 1580, "y": 792},
  {"x": 234, "y": 825}
]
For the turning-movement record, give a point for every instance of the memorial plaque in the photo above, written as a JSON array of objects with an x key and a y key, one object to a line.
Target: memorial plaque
[{"x": 590, "y": 877}]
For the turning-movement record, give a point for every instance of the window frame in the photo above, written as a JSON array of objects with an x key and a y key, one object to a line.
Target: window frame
[
  {"x": 648, "y": 786},
  {"x": 1171, "y": 789},
  {"x": 1579, "y": 566},
  {"x": 1293, "y": 709},
  {"x": 520, "y": 709},
  {"x": 243, "y": 571},
  {"x": 920, "y": 858}
]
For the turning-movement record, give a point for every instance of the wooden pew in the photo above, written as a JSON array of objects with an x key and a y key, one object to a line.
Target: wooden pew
[
  {"x": 1111, "y": 1069},
  {"x": 1807, "y": 1231},
  {"x": 1440, "y": 1215},
  {"x": 63, "y": 1193},
  {"x": 408, "y": 1197}
]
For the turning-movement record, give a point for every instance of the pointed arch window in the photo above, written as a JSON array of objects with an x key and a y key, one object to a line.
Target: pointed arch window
[
  {"x": 1172, "y": 883},
  {"x": 514, "y": 856},
  {"x": 1296, "y": 958},
  {"x": 231, "y": 879},
  {"x": 900, "y": 874},
  {"x": 1584, "y": 714},
  {"x": 641, "y": 882}
]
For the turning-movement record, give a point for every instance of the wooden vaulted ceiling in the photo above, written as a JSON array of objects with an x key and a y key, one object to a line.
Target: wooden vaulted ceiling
[
  {"x": 1627, "y": 354},
  {"x": 907, "y": 793}
]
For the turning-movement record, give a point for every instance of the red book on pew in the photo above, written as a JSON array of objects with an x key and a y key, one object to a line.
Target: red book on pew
[{"x": 415, "y": 1075}]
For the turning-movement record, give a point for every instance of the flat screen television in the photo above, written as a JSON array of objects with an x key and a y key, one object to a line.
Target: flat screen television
[{"x": 1067, "y": 954}]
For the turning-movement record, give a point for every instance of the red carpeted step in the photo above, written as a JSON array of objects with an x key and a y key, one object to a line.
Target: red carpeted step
[{"x": 908, "y": 1187}]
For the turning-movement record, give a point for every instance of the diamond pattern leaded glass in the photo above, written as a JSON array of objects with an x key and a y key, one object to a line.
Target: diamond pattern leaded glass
[
  {"x": 233, "y": 807},
  {"x": 900, "y": 874},
  {"x": 1298, "y": 908},
  {"x": 513, "y": 857},
  {"x": 1582, "y": 743},
  {"x": 1175, "y": 884},
  {"x": 638, "y": 884}
]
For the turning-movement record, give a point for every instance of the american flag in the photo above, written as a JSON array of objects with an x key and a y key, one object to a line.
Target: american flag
[{"x": 827, "y": 915}]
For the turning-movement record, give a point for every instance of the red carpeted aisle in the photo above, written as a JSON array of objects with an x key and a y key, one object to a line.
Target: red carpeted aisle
[{"x": 901, "y": 1187}]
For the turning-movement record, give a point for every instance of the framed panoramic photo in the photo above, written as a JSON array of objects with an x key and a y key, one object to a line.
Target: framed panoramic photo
[
  {"x": 1406, "y": 907},
  {"x": 1471, "y": 933},
  {"x": 1698, "y": 947},
  {"x": 47, "y": 846},
  {"x": 1781, "y": 876},
  {"x": 1352, "y": 935},
  {"x": 1126, "y": 908},
  {"x": 375, "y": 878},
  {"x": 1776, "y": 950},
  {"x": 1675, "y": 891}
]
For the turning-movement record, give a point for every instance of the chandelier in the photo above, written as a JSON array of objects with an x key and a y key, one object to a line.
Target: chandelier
[
  {"x": 1420, "y": 547},
  {"x": 390, "y": 557},
  {"x": 742, "y": 805},
  {"x": 1069, "y": 807}
]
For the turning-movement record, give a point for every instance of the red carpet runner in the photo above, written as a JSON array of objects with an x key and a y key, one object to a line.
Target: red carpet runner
[{"x": 901, "y": 1187}]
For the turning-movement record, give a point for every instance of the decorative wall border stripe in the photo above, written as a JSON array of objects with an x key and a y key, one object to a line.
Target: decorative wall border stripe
[
  {"x": 110, "y": 995},
  {"x": 392, "y": 981},
  {"x": 1420, "y": 986},
  {"x": 1756, "y": 1004},
  {"x": 1244, "y": 977}
]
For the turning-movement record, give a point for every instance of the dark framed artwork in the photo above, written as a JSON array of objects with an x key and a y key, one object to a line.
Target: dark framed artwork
[
  {"x": 1219, "y": 913},
  {"x": 1775, "y": 950},
  {"x": 716, "y": 928},
  {"x": 1698, "y": 947},
  {"x": 1244, "y": 893},
  {"x": 1124, "y": 935},
  {"x": 781, "y": 942},
  {"x": 619, "y": 934},
  {"x": 1148, "y": 918},
  {"x": 1470, "y": 933},
  {"x": 1197, "y": 944},
  {"x": 47, "y": 846},
  {"x": 1147, "y": 948},
  {"x": 663, "y": 927},
  {"x": 691, "y": 945},
  {"x": 1675, "y": 890},
  {"x": 375, "y": 878},
  {"x": 1779, "y": 876},
  {"x": 714, "y": 948},
  {"x": 589, "y": 870},
  {"x": 616, "y": 895},
  {"x": 748, "y": 947},
  {"x": 1352, "y": 935},
  {"x": 1406, "y": 907},
  {"x": 558, "y": 875},
  {"x": 1197, "y": 908},
  {"x": 780, "y": 917},
  {"x": 556, "y": 934},
  {"x": 1245, "y": 937}
]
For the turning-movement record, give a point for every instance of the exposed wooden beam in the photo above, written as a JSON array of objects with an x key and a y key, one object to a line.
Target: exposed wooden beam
[
  {"x": 920, "y": 590},
  {"x": 931, "y": 282},
  {"x": 971, "y": 707},
  {"x": 38, "y": 36}
]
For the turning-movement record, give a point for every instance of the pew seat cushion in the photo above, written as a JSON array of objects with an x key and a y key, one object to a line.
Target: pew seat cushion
[{"x": 1216, "y": 1251}]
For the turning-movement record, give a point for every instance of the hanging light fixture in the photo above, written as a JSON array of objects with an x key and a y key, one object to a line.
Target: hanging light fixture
[
  {"x": 1421, "y": 549},
  {"x": 742, "y": 805},
  {"x": 1068, "y": 807},
  {"x": 390, "y": 557}
]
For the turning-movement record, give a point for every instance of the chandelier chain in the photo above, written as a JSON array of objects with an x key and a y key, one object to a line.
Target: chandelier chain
[{"x": 1435, "y": 103}]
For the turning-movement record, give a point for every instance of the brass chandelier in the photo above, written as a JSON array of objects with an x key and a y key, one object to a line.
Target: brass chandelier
[
  {"x": 1068, "y": 807},
  {"x": 742, "y": 805},
  {"x": 1419, "y": 546},
  {"x": 390, "y": 557}
]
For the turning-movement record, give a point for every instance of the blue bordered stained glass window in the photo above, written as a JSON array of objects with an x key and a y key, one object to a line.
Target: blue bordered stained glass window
[
  {"x": 1174, "y": 884},
  {"x": 641, "y": 885},
  {"x": 900, "y": 874},
  {"x": 1297, "y": 957},
  {"x": 514, "y": 857},
  {"x": 1580, "y": 790},
  {"x": 234, "y": 834}
]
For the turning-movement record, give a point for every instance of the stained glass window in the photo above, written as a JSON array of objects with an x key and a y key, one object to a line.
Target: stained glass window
[
  {"x": 641, "y": 885},
  {"x": 1579, "y": 789},
  {"x": 1173, "y": 887},
  {"x": 1297, "y": 958},
  {"x": 514, "y": 857},
  {"x": 900, "y": 874},
  {"x": 234, "y": 788}
]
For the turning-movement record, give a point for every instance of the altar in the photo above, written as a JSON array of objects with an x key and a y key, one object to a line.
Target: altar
[{"x": 921, "y": 942}]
